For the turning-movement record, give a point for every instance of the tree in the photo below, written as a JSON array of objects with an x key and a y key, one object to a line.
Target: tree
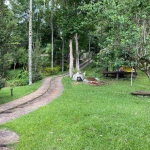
[
  {"x": 52, "y": 32},
  {"x": 71, "y": 25},
  {"x": 121, "y": 25},
  {"x": 141, "y": 19},
  {"x": 30, "y": 45},
  {"x": 29, "y": 39},
  {"x": 7, "y": 24},
  {"x": 77, "y": 52},
  {"x": 65, "y": 22}
]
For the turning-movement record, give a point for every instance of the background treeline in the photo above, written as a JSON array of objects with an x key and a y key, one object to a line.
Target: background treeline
[{"x": 116, "y": 32}]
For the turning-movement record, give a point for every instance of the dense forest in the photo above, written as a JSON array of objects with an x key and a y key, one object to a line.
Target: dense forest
[{"x": 51, "y": 35}]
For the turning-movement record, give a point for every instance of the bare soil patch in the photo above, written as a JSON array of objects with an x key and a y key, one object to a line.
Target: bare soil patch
[
  {"x": 141, "y": 93},
  {"x": 7, "y": 139},
  {"x": 90, "y": 81}
]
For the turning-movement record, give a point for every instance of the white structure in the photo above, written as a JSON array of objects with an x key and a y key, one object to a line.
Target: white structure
[{"x": 78, "y": 75}]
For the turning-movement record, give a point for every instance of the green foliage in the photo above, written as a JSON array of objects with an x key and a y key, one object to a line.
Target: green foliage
[
  {"x": 123, "y": 30},
  {"x": 51, "y": 71},
  {"x": 22, "y": 74},
  {"x": 21, "y": 79},
  {"x": 66, "y": 66},
  {"x": 7, "y": 24},
  {"x": 120, "y": 26},
  {"x": 44, "y": 61},
  {"x": 36, "y": 77},
  {"x": 71, "y": 20},
  {"x": 20, "y": 82},
  {"x": 2, "y": 83}
]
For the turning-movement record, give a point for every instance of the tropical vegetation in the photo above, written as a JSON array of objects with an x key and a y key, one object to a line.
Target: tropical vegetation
[
  {"x": 50, "y": 33},
  {"x": 116, "y": 33}
]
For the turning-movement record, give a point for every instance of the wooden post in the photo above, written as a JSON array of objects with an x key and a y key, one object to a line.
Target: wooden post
[
  {"x": 11, "y": 91},
  {"x": 131, "y": 75}
]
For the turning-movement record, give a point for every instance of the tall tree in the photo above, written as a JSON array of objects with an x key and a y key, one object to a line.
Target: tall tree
[
  {"x": 30, "y": 45},
  {"x": 65, "y": 22},
  {"x": 52, "y": 32},
  {"x": 77, "y": 52},
  {"x": 71, "y": 25},
  {"x": 119, "y": 30},
  {"x": 71, "y": 58},
  {"x": 7, "y": 24}
]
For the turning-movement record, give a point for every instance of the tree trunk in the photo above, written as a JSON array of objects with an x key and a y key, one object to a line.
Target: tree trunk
[
  {"x": 89, "y": 48},
  {"x": 52, "y": 34},
  {"x": 63, "y": 54},
  {"x": 15, "y": 65},
  {"x": 71, "y": 59},
  {"x": 145, "y": 35},
  {"x": 30, "y": 45},
  {"x": 52, "y": 37},
  {"x": 77, "y": 53}
]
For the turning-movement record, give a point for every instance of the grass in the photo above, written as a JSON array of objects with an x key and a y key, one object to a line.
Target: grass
[
  {"x": 88, "y": 117},
  {"x": 20, "y": 91}
]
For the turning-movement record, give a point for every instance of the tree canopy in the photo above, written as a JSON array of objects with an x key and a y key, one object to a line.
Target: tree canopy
[{"x": 118, "y": 33}]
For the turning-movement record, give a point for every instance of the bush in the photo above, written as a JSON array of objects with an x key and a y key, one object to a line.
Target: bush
[
  {"x": 21, "y": 78},
  {"x": 2, "y": 84},
  {"x": 37, "y": 77},
  {"x": 66, "y": 67},
  {"x": 22, "y": 75},
  {"x": 20, "y": 82},
  {"x": 51, "y": 71},
  {"x": 11, "y": 74}
]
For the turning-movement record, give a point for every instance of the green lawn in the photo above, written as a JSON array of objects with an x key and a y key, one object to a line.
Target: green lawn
[
  {"x": 5, "y": 93},
  {"x": 89, "y": 117}
]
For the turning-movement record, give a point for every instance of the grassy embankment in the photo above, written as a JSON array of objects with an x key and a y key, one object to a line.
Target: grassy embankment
[{"x": 89, "y": 117}]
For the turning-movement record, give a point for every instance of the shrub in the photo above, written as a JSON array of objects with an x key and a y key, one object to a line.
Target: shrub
[
  {"x": 51, "y": 71},
  {"x": 66, "y": 67},
  {"x": 22, "y": 75},
  {"x": 2, "y": 83},
  {"x": 37, "y": 77},
  {"x": 20, "y": 82}
]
